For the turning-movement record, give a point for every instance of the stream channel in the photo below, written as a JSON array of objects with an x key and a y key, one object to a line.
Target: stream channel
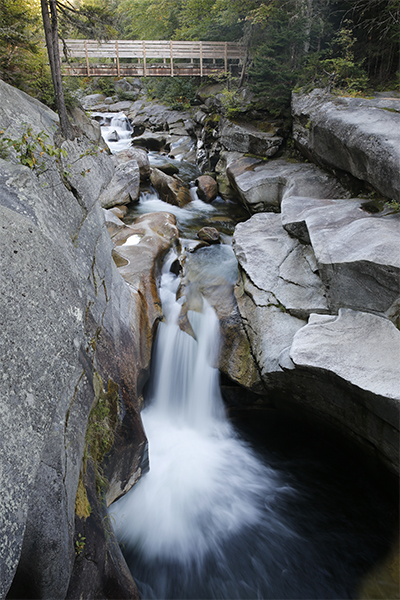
[{"x": 253, "y": 506}]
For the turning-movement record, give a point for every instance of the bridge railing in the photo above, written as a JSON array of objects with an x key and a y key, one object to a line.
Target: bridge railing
[{"x": 143, "y": 57}]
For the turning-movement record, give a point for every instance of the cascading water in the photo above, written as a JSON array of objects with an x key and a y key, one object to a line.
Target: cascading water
[
  {"x": 116, "y": 129},
  {"x": 212, "y": 519},
  {"x": 298, "y": 518},
  {"x": 206, "y": 488}
]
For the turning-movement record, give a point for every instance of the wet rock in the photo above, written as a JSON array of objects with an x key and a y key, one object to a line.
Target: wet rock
[
  {"x": 176, "y": 267},
  {"x": 209, "y": 235},
  {"x": 124, "y": 186},
  {"x": 357, "y": 135},
  {"x": 207, "y": 188},
  {"x": 151, "y": 141},
  {"x": 168, "y": 168},
  {"x": 171, "y": 189},
  {"x": 118, "y": 211},
  {"x": 141, "y": 157},
  {"x": 113, "y": 137}
]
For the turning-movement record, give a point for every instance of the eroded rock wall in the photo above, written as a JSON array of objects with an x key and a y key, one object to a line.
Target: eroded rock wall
[{"x": 64, "y": 326}]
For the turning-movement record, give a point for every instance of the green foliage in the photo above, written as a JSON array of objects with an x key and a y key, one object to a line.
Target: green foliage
[
  {"x": 394, "y": 206},
  {"x": 178, "y": 92},
  {"x": 337, "y": 68},
  {"x": 277, "y": 61},
  {"x": 149, "y": 19},
  {"x": 19, "y": 39},
  {"x": 32, "y": 148},
  {"x": 94, "y": 19},
  {"x": 79, "y": 544}
]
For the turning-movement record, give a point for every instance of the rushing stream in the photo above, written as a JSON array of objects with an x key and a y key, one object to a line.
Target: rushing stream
[{"x": 263, "y": 508}]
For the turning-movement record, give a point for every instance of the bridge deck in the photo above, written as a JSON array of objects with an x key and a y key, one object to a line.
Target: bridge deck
[{"x": 139, "y": 58}]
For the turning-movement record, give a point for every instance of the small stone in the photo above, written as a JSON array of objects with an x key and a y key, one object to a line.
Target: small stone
[{"x": 209, "y": 235}]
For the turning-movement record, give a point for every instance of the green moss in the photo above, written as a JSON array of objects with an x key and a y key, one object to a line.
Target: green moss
[
  {"x": 82, "y": 505},
  {"x": 103, "y": 420}
]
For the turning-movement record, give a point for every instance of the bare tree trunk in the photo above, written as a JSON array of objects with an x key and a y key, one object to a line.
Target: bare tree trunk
[{"x": 50, "y": 24}]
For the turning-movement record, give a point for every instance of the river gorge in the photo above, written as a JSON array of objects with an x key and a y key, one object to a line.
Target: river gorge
[{"x": 245, "y": 344}]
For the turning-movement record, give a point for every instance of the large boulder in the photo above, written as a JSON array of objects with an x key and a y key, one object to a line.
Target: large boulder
[
  {"x": 141, "y": 157},
  {"x": 171, "y": 189},
  {"x": 262, "y": 185},
  {"x": 362, "y": 350},
  {"x": 277, "y": 290},
  {"x": 150, "y": 140},
  {"x": 207, "y": 188},
  {"x": 248, "y": 139},
  {"x": 124, "y": 186},
  {"x": 357, "y": 135},
  {"x": 357, "y": 253}
]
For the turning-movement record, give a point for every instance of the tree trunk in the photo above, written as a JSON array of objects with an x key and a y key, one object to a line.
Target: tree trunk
[{"x": 50, "y": 24}]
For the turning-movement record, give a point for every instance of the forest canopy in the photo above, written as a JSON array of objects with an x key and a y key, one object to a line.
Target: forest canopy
[{"x": 351, "y": 45}]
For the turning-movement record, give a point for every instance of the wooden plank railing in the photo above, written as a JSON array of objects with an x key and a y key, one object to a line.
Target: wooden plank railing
[{"x": 143, "y": 57}]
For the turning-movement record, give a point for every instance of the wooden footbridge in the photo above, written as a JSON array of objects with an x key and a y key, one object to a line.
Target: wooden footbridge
[{"x": 127, "y": 58}]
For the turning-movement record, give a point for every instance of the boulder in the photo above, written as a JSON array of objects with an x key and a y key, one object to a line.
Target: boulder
[
  {"x": 171, "y": 189},
  {"x": 207, "y": 188},
  {"x": 262, "y": 185},
  {"x": 279, "y": 266},
  {"x": 182, "y": 147},
  {"x": 92, "y": 100},
  {"x": 362, "y": 350},
  {"x": 357, "y": 253},
  {"x": 208, "y": 90},
  {"x": 168, "y": 168},
  {"x": 113, "y": 136},
  {"x": 209, "y": 235},
  {"x": 150, "y": 140},
  {"x": 248, "y": 139},
  {"x": 141, "y": 157},
  {"x": 357, "y": 135},
  {"x": 124, "y": 186}
]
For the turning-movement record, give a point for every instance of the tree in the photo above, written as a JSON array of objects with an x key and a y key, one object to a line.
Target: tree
[
  {"x": 18, "y": 39},
  {"x": 50, "y": 23}
]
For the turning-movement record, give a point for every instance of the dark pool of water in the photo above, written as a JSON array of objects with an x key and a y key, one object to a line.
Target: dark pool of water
[{"x": 333, "y": 517}]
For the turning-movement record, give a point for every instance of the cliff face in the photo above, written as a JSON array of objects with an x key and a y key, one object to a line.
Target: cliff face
[{"x": 64, "y": 341}]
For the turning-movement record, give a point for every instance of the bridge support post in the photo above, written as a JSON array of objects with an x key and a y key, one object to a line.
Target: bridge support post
[
  {"x": 144, "y": 60},
  {"x": 87, "y": 59},
  {"x": 117, "y": 49}
]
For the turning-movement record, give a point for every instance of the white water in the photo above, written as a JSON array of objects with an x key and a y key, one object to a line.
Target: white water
[
  {"x": 115, "y": 123},
  {"x": 204, "y": 485}
]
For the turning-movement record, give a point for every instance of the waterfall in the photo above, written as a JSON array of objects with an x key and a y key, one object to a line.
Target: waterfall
[
  {"x": 205, "y": 485},
  {"x": 300, "y": 517}
]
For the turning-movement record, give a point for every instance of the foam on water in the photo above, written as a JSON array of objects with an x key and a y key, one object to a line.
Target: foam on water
[{"x": 205, "y": 484}]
